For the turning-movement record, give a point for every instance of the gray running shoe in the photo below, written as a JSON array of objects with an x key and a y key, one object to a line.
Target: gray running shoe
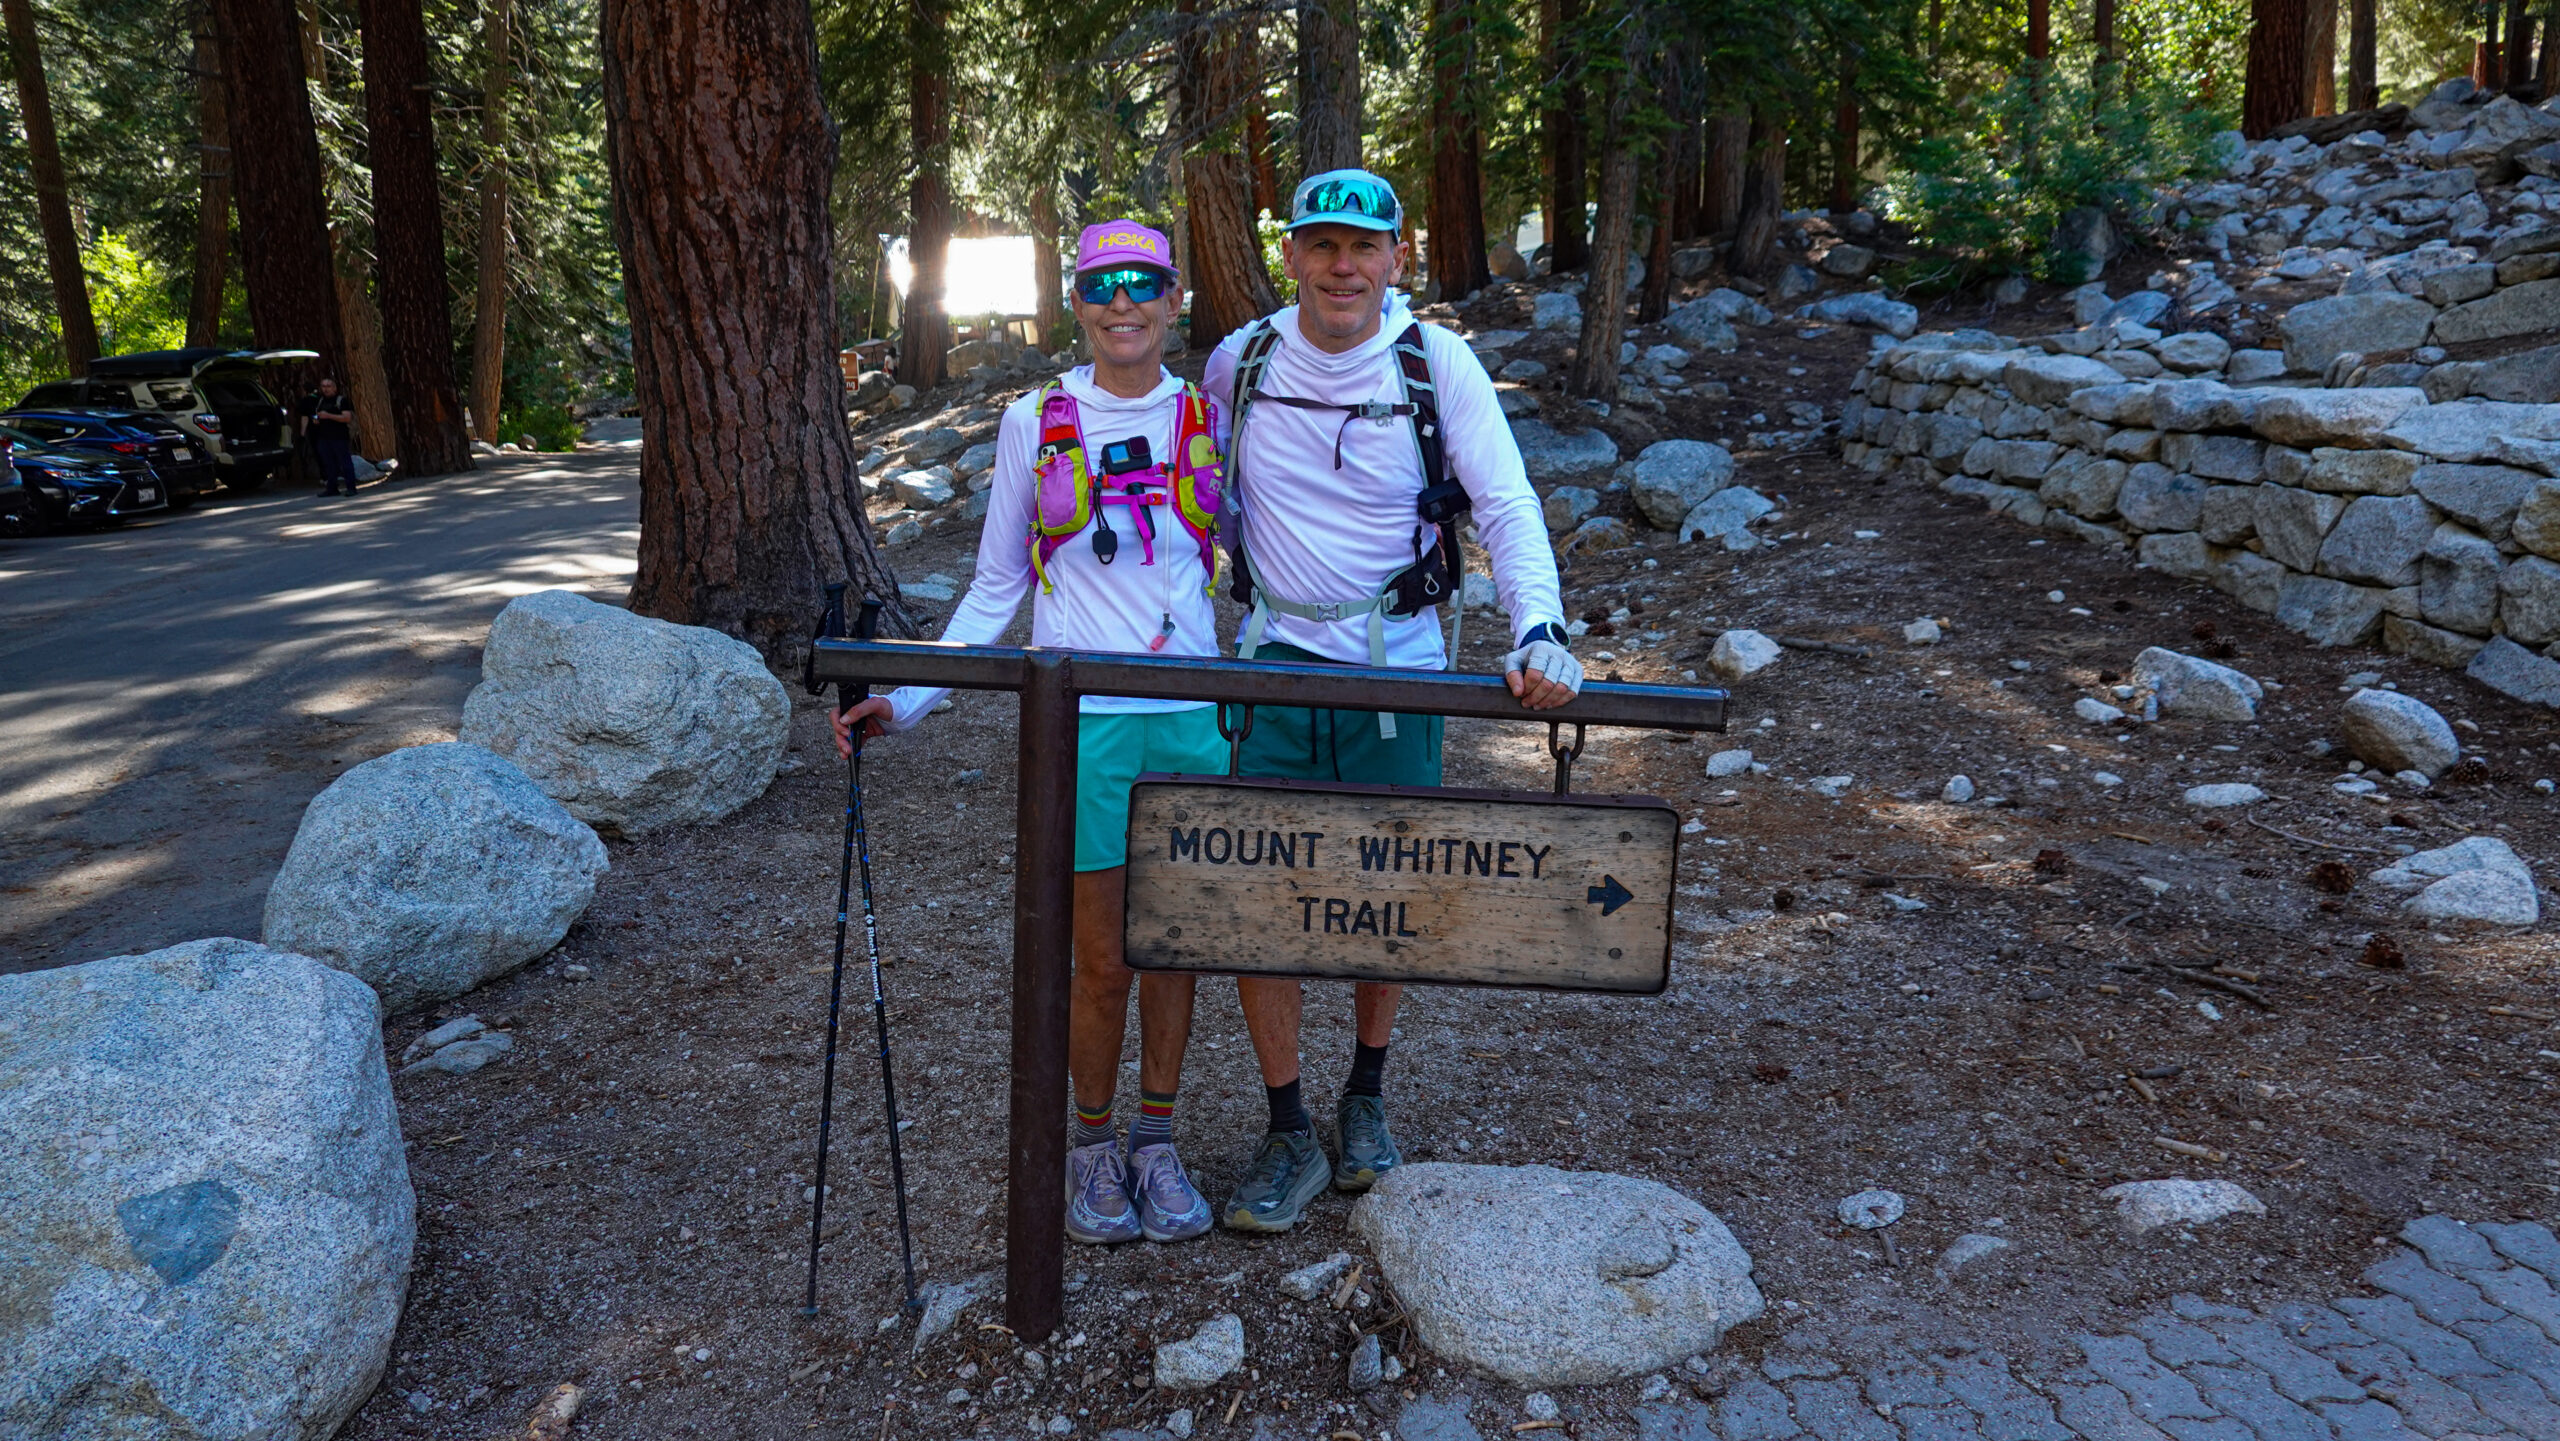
[
  {"x": 1098, "y": 1209},
  {"x": 1170, "y": 1208},
  {"x": 1368, "y": 1150},
  {"x": 1287, "y": 1173}
]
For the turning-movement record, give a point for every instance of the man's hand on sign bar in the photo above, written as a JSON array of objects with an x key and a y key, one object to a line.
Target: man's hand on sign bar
[
  {"x": 1542, "y": 674},
  {"x": 875, "y": 715}
]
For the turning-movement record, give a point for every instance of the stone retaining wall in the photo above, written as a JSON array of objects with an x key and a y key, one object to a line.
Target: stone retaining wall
[{"x": 2349, "y": 514}]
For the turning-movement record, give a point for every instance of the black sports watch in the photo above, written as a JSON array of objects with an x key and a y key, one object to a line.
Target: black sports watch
[{"x": 1547, "y": 631}]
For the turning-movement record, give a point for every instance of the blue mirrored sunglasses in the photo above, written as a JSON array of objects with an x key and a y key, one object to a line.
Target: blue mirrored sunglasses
[
  {"x": 1350, "y": 197},
  {"x": 1095, "y": 287}
]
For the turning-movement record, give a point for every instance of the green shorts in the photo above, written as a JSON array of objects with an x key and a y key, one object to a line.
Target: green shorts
[
  {"x": 1294, "y": 743},
  {"x": 1112, "y": 749}
]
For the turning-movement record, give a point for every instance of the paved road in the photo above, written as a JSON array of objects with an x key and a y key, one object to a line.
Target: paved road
[
  {"x": 173, "y": 693},
  {"x": 2459, "y": 1340}
]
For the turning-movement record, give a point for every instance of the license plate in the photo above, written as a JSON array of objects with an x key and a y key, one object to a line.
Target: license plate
[
  {"x": 146, "y": 495},
  {"x": 182, "y": 453}
]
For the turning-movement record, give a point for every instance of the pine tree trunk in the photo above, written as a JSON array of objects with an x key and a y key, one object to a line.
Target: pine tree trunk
[
  {"x": 367, "y": 387},
  {"x": 1229, "y": 286},
  {"x": 408, "y": 241},
  {"x": 1764, "y": 196},
  {"x": 213, "y": 186},
  {"x": 1458, "y": 261},
  {"x": 2103, "y": 61},
  {"x": 1844, "y": 139},
  {"x": 2277, "y": 40},
  {"x": 2364, "y": 91},
  {"x": 749, "y": 501},
  {"x": 1329, "y": 115},
  {"x": 1653, "y": 298},
  {"x": 2039, "y": 31},
  {"x": 2519, "y": 46},
  {"x": 489, "y": 308},
  {"x": 1594, "y": 375},
  {"x": 1056, "y": 329},
  {"x": 53, "y": 192},
  {"x": 1267, "y": 198},
  {"x": 2320, "y": 58},
  {"x": 1567, "y": 160},
  {"x": 285, "y": 261},
  {"x": 1686, "y": 200},
  {"x": 924, "y": 340},
  {"x": 2546, "y": 72},
  {"x": 1722, "y": 185}
]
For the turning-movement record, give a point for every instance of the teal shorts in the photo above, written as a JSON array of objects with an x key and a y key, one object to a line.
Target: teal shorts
[
  {"x": 1112, "y": 749},
  {"x": 1295, "y": 743}
]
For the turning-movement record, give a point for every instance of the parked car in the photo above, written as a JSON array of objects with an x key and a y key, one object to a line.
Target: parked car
[
  {"x": 212, "y": 395},
  {"x": 72, "y": 488},
  {"x": 184, "y": 467},
  {"x": 17, "y": 506}
]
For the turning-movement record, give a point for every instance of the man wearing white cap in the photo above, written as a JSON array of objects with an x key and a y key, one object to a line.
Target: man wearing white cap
[{"x": 1360, "y": 438}]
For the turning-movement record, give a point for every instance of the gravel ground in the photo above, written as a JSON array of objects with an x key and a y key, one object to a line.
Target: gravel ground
[{"x": 620, "y": 1204}]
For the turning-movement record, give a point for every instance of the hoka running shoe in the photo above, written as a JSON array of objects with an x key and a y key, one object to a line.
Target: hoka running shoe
[
  {"x": 1098, "y": 1209},
  {"x": 1368, "y": 1151},
  {"x": 1287, "y": 1173},
  {"x": 1170, "y": 1208}
]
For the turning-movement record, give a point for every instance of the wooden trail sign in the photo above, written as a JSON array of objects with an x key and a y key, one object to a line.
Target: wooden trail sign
[{"x": 1253, "y": 877}]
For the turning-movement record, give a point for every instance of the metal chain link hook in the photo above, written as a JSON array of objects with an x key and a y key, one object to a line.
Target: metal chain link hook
[
  {"x": 1235, "y": 737},
  {"x": 1563, "y": 753}
]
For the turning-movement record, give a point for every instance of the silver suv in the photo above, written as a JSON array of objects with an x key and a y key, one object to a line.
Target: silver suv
[{"x": 213, "y": 395}]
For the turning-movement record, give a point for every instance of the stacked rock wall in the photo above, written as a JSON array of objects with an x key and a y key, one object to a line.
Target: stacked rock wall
[{"x": 2350, "y": 515}]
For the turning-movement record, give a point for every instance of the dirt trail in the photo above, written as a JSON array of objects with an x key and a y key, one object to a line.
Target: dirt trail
[{"x": 621, "y": 1203}]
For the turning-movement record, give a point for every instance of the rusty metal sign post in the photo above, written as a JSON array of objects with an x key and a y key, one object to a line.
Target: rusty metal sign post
[{"x": 1050, "y": 683}]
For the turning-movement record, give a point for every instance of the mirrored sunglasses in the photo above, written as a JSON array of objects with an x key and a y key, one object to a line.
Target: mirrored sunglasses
[
  {"x": 1096, "y": 287},
  {"x": 1349, "y": 196}
]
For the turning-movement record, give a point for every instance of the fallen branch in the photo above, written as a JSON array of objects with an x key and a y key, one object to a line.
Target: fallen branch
[
  {"x": 2209, "y": 979},
  {"x": 2318, "y": 845},
  {"x": 550, "y": 1420}
]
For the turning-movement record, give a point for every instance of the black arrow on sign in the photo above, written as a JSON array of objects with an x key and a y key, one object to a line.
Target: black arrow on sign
[{"x": 1609, "y": 895}]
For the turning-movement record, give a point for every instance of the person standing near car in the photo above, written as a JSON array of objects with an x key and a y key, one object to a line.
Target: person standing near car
[{"x": 328, "y": 421}]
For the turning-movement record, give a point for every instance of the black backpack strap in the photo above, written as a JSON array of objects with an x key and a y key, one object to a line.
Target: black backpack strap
[
  {"x": 1246, "y": 386},
  {"x": 1443, "y": 501}
]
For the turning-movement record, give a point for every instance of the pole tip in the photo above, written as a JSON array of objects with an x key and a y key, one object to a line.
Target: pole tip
[{"x": 809, "y": 1312}]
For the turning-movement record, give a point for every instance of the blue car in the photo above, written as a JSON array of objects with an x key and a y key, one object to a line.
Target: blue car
[
  {"x": 184, "y": 468},
  {"x": 70, "y": 489}
]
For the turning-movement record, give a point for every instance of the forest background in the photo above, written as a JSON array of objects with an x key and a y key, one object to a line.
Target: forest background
[{"x": 160, "y": 154}]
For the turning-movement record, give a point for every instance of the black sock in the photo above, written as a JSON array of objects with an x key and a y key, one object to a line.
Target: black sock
[
  {"x": 1288, "y": 1112},
  {"x": 1368, "y": 1071}
]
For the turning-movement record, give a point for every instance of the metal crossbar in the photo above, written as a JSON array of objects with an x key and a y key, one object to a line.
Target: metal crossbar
[{"x": 1050, "y": 682}]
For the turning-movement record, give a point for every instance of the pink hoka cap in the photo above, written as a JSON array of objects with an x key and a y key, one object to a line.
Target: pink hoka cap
[{"x": 1123, "y": 242}]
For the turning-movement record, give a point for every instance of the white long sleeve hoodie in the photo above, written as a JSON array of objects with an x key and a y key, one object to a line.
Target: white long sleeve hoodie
[
  {"x": 1319, "y": 534},
  {"x": 1118, "y": 607}
]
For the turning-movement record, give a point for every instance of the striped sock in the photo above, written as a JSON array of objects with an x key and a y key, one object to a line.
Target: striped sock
[
  {"x": 1155, "y": 1120},
  {"x": 1092, "y": 1125}
]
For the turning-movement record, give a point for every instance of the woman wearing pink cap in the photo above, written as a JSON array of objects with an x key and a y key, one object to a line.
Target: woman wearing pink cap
[{"x": 1105, "y": 497}]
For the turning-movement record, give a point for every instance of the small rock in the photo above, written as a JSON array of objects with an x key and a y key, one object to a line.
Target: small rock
[
  {"x": 1833, "y": 786},
  {"x": 2105, "y": 779},
  {"x": 1967, "y": 1249},
  {"x": 464, "y": 1057},
  {"x": 1924, "y": 631},
  {"x": 2490, "y": 897},
  {"x": 1957, "y": 791},
  {"x": 1539, "y": 1405},
  {"x": 943, "y": 1303},
  {"x": 1656, "y": 1388},
  {"x": 2215, "y": 797},
  {"x": 1555, "y": 310},
  {"x": 1180, "y": 1423},
  {"x": 2096, "y": 711},
  {"x": 2186, "y": 685},
  {"x": 1061, "y": 1425},
  {"x": 1568, "y": 506},
  {"x": 1308, "y": 1282},
  {"x": 1741, "y": 653},
  {"x": 1212, "y": 1354},
  {"x": 1870, "y": 1210},
  {"x": 2394, "y": 732},
  {"x": 1368, "y": 1366},
  {"x": 1728, "y": 763},
  {"x": 2145, "y": 1206}
]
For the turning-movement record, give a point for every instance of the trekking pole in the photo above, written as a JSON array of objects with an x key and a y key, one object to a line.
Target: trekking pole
[{"x": 857, "y": 853}]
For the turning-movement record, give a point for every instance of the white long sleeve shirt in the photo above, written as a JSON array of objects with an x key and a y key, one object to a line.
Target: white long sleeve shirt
[
  {"x": 1318, "y": 534},
  {"x": 1123, "y": 606}
]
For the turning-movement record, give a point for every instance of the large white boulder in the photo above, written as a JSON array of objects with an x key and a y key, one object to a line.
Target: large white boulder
[
  {"x": 205, "y": 1218},
  {"x": 2477, "y": 878},
  {"x": 632, "y": 723},
  {"x": 431, "y": 870},
  {"x": 1551, "y": 454},
  {"x": 1555, "y": 1278}
]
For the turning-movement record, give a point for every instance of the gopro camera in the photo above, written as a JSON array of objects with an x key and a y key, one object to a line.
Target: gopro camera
[{"x": 1120, "y": 457}]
